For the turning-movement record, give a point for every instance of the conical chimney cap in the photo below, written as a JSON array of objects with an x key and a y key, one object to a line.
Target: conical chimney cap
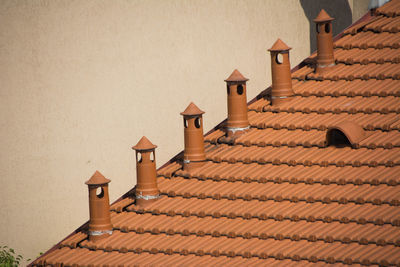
[
  {"x": 144, "y": 144},
  {"x": 97, "y": 179},
  {"x": 279, "y": 45},
  {"x": 323, "y": 16},
  {"x": 236, "y": 76},
  {"x": 192, "y": 110}
]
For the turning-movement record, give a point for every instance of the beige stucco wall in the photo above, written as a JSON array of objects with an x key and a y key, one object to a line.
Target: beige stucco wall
[{"x": 82, "y": 81}]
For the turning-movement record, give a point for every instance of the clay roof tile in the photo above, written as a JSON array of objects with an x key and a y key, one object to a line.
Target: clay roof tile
[
  {"x": 144, "y": 144},
  {"x": 97, "y": 178}
]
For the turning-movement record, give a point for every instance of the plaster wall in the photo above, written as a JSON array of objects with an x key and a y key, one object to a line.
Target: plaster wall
[{"x": 83, "y": 81}]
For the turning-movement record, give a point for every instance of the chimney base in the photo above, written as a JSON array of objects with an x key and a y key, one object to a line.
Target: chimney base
[
  {"x": 144, "y": 200},
  {"x": 321, "y": 69},
  {"x": 236, "y": 131},
  {"x": 95, "y": 236},
  {"x": 277, "y": 100},
  {"x": 192, "y": 165}
]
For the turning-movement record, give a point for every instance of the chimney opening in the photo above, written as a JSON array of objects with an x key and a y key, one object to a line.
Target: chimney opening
[
  {"x": 185, "y": 123},
  {"x": 228, "y": 89},
  {"x": 337, "y": 138},
  {"x": 240, "y": 89},
  {"x": 327, "y": 28},
  {"x": 317, "y": 26},
  {"x": 100, "y": 192},
  {"x": 152, "y": 156},
  {"x": 279, "y": 58},
  {"x": 139, "y": 157},
  {"x": 197, "y": 123}
]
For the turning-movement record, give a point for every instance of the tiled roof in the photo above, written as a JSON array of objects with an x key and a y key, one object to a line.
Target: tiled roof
[{"x": 278, "y": 194}]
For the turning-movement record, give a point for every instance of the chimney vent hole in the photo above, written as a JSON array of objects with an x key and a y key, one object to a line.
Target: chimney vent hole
[
  {"x": 152, "y": 156},
  {"x": 318, "y": 29},
  {"x": 327, "y": 28},
  {"x": 228, "y": 89},
  {"x": 139, "y": 157},
  {"x": 279, "y": 58},
  {"x": 197, "y": 122},
  {"x": 337, "y": 138},
  {"x": 185, "y": 123},
  {"x": 100, "y": 192},
  {"x": 240, "y": 89}
]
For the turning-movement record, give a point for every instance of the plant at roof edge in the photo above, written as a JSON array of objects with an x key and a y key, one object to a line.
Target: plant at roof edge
[{"x": 8, "y": 258}]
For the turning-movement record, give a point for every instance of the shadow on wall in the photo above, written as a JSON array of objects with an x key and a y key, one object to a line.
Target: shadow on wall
[{"x": 339, "y": 10}]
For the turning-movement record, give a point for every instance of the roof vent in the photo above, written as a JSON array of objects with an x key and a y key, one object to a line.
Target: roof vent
[
  {"x": 146, "y": 187},
  {"x": 325, "y": 57},
  {"x": 194, "y": 155},
  {"x": 346, "y": 133},
  {"x": 237, "y": 103},
  {"x": 281, "y": 76},
  {"x": 99, "y": 207}
]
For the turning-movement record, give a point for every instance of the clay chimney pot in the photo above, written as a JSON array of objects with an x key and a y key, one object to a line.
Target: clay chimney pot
[
  {"x": 237, "y": 103},
  {"x": 194, "y": 155},
  {"x": 281, "y": 76},
  {"x": 146, "y": 174},
  {"x": 325, "y": 58},
  {"x": 99, "y": 207}
]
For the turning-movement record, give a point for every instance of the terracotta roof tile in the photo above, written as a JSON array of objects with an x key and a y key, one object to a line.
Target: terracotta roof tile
[{"x": 279, "y": 194}]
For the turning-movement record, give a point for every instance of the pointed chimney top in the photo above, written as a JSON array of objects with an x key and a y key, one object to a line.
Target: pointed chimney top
[
  {"x": 236, "y": 76},
  {"x": 279, "y": 45},
  {"x": 144, "y": 144},
  {"x": 192, "y": 110},
  {"x": 323, "y": 16},
  {"x": 97, "y": 179}
]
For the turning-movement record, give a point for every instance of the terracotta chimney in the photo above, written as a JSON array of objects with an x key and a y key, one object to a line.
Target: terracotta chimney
[
  {"x": 324, "y": 41},
  {"x": 146, "y": 186},
  {"x": 281, "y": 76},
  {"x": 237, "y": 103},
  {"x": 99, "y": 207},
  {"x": 194, "y": 155}
]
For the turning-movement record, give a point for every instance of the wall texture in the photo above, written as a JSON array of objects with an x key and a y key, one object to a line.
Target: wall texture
[{"x": 82, "y": 81}]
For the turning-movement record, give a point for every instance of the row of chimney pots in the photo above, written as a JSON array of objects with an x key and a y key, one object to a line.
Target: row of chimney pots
[{"x": 194, "y": 155}]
